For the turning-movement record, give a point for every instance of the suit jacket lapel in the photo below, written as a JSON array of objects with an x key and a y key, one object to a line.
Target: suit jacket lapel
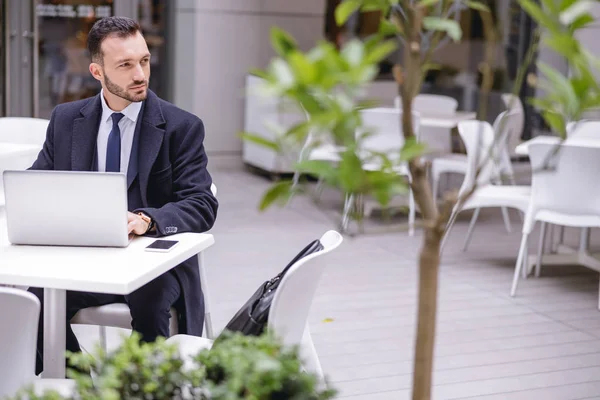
[
  {"x": 150, "y": 139},
  {"x": 132, "y": 169},
  {"x": 85, "y": 134}
]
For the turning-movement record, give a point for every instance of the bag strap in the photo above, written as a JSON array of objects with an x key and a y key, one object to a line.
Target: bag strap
[{"x": 311, "y": 248}]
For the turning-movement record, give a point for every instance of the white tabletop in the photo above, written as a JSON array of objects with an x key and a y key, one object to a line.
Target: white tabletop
[
  {"x": 440, "y": 120},
  {"x": 104, "y": 270},
  {"x": 17, "y": 149},
  {"x": 523, "y": 148},
  {"x": 446, "y": 120}
]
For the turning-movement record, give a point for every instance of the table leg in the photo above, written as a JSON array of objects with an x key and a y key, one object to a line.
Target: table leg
[
  {"x": 207, "y": 308},
  {"x": 55, "y": 315}
]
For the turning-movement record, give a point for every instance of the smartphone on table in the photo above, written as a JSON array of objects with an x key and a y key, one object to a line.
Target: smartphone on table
[{"x": 162, "y": 245}]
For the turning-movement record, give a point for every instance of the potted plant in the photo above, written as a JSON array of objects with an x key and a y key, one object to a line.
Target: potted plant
[{"x": 236, "y": 367}]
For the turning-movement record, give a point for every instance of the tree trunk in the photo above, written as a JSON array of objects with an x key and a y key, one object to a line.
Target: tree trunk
[{"x": 429, "y": 263}]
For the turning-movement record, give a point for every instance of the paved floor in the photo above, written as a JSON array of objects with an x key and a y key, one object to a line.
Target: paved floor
[{"x": 543, "y": 344}]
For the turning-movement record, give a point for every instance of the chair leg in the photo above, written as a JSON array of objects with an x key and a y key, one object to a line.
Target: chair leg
[
  {"x": 471, "y": 227},
  {"x": 207, "y": 300},
  {"x": 411, "y": 213},
  {"x": 449, "y": 226},
  {"x": 319, "y": 190},
  {"x": 349, "y": 201},
  {"x": 435, "y": 184},
  {"x": 538, "y": 263},
  {"x": 103, "y": 341},
  {"x": 519, "y": 265},
  {"x": 506, "y": 219},
  {"x": 561, "y": 235},
  {"x": 311, "y": 359}
]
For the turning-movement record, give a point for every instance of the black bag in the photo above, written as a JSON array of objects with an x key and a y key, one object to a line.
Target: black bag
[{"x": 252, "y": 318}]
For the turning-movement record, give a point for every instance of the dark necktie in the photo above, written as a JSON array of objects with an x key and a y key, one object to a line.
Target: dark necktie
[{"x": 113, "y": 149}]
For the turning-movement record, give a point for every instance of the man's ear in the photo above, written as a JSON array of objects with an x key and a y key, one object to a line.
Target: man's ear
[{"x": 96, "y": 71}]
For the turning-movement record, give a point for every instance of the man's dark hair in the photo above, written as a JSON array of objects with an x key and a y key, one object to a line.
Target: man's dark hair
[{"x": 120, "y": 26}]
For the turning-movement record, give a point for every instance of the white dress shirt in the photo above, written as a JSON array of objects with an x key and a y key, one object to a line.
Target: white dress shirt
[{"x": 127, "y": 127}]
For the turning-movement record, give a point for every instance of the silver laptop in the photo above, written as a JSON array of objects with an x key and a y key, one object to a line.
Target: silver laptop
[{"x": 66, "y": 208}]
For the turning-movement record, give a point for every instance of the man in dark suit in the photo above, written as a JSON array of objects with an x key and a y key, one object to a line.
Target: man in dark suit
[{"x": 127, "y": 128}]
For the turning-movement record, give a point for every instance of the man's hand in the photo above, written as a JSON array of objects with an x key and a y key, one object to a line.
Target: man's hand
[{"x": 136, "y": 224}]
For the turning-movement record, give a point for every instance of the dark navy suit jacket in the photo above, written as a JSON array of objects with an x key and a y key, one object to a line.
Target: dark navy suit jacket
[{"x": 167, "y": 177}]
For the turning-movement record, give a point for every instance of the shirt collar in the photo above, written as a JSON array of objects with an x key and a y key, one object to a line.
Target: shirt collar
[{"x": 131, "y": 111}]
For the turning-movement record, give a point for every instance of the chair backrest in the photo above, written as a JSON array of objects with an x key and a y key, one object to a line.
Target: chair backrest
[
  {"x": 506, "y": 128},
  {"x": 584, "y": 129},
  {"x": 478, "y": 138},
  {"x": 23, "y": 130},
  {"x": 288, "y": 315},
  {"x": 565, "y": 181},
  {"x": 431, "y": 103},
  {"x": 514, "y": 105},
  {"x": 385, "y": 128},
  {"x": 20, "y": 312}
]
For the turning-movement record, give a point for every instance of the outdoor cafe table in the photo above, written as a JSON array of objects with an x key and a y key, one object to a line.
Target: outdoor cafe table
[{"x": 103, "y": 270}]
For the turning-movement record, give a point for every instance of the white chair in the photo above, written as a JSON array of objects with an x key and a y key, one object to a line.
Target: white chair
[
  {"x": 20, "y": 310},
  {"x": 514, "y": 104},
  {"x": 23, "y": 130},
  {"x": 431, "y": 103},
  {"x": 482, "y": 171},
  {"x": 564, "y": 192},
  {"x": 387, "y": 137},
  {"x": 118, "y": 315},
  {"x": 582, "y": 130},
  {"x": 17, "y": 130},
  {"x": 288, "y": 315},
  {"x": 505, "y": 126}
]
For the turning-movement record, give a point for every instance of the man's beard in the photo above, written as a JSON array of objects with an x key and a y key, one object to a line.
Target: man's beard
[{"x": 122, "y": 93}]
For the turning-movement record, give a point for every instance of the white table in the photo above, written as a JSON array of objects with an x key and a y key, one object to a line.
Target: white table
[
  {"x": 446, "y": 120},
  {"x": 442, "y": 120},
  {"x": 103, "y": 270}
]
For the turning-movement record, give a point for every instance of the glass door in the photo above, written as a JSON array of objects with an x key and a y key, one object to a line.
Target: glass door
[{"x": 47, "y": 54}]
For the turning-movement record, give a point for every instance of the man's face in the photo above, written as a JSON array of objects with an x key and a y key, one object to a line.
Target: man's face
[{"x": 126, "y": 67}]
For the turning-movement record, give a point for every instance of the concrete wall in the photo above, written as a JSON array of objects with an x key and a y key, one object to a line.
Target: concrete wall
[{"x": 218, "y": 42}]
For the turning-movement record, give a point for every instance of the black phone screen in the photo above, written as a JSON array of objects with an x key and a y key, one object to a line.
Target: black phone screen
[{"x": 162, "y": 244}]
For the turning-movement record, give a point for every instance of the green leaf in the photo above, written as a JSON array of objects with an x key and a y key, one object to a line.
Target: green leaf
[
  {"x": 281, "y": 41},
  {"x": 321, "y": 169},
  {"x": 412, "y": 149},
  {"x": 345, "y": 9},
  {"x": 556, "y": 122},
  {"x": 259, "y": 140},
  {"x": 302, "y": 67},
  {"x": 351, "y": 174},
  {"x": 380, "y": 52},
  {"x": 451, "y": 27},
  {"x": 282, "y": 73},
  {"x": 560, "y": 85},
  {"x": 578, "y": 9},
  {"x": 281, "y": 191},
  {"x": 353, "y": 52},
  {"x": 582, "y": 21},
  {"x": 387, "y": 28},
  {"x": 385, "y": 185},
  {"x": 476, "y": 5},
  {"x": 539, "y": 15}
]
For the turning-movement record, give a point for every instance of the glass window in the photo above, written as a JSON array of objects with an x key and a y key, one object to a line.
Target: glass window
[{"x": 63, "y": 56}]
